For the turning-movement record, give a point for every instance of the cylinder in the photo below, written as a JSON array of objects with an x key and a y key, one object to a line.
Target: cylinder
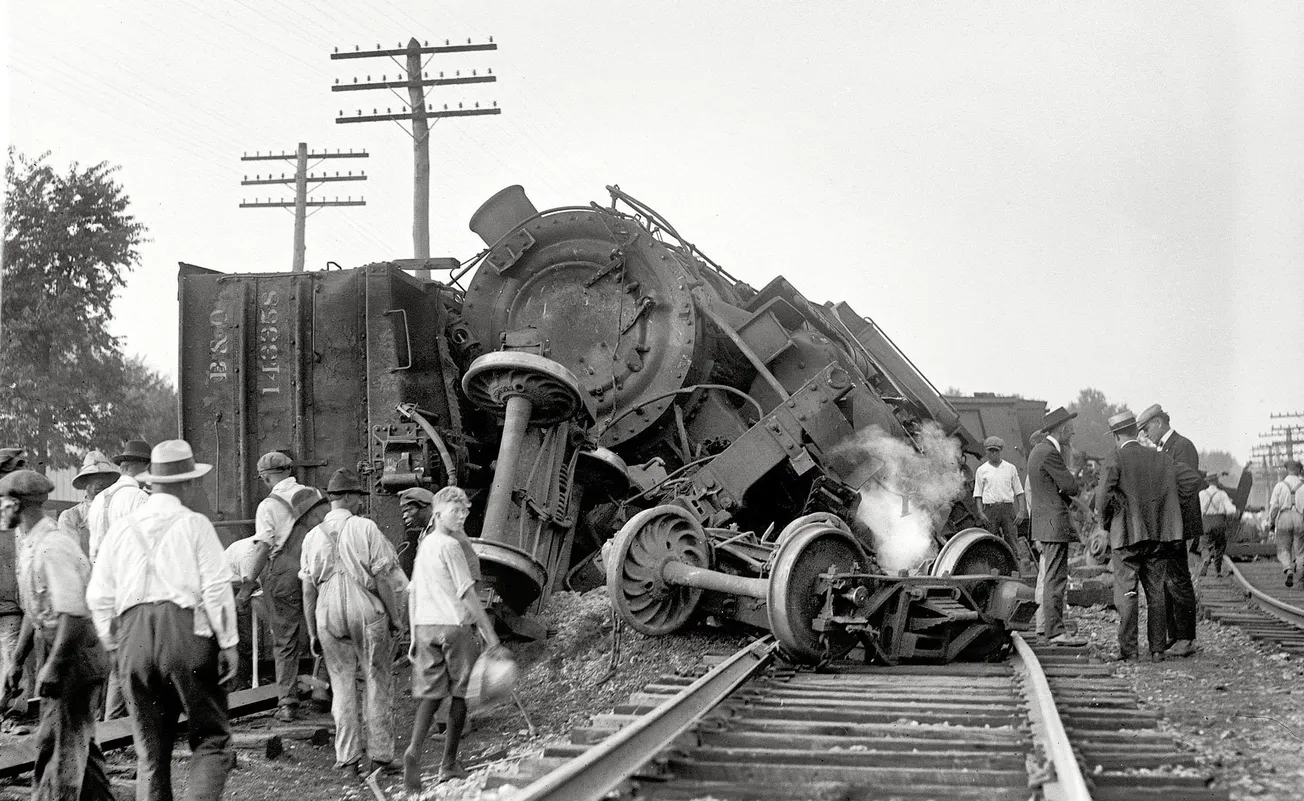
[
  {"x": 515, "y": 420},
  {"x": 498, "y": 215},
  {"x": 700, "y": 578}
]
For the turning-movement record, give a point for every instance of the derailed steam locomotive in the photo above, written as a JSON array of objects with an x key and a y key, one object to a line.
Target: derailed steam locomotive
[{"x": 600, "y": 374}]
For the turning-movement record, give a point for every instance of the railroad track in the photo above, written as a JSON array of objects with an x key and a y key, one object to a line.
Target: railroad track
[
  {"x": 1254, "y": 599},
  {"x": 747, "y": 726}
]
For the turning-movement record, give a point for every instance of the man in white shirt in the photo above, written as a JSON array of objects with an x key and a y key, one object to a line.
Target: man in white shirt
[
  {"x": 282, "y": 520},
  {"x": 52, "y": 573},
  {"x": 1286, "y": 519},
  {"x": 115, "y": 502},
  {"x": 354, "y": 600},
  {"x": 444, "y": 612},
  {"x": 999, "y": 491},
  {"x": 1217, "y": 513},
  {"x": 160, "y": 596}
]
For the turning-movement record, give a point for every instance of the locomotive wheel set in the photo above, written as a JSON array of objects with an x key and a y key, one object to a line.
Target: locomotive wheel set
[{"x": 617, "y": 405}]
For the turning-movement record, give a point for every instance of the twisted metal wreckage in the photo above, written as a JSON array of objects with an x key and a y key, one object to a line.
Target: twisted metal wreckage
[{"x": 600, "y": 375}]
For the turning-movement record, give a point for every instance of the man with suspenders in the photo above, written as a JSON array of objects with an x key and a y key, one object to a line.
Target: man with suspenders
[
  {"x": 114, "y": 503},
  {"x": 280, "y": 523},
  {"x": 354, "y": 600},
  {"x": 160, "y": 596}
]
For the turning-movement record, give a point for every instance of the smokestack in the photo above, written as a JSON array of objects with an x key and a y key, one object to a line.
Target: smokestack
[{"x": 500, "y": 214}]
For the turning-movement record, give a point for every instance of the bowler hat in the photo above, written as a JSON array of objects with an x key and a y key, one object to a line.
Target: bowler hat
[
  {"x": 25, "y": 484},
  {"x": 1151, "y": 412},
  {"x": 135, "y": 450},
  {"x": 993, "y": 442},
  {"x": 416, "y": 496},
  {"x": 172, "y": 462},
  {"x": 274, "y": 460},
  {"x": 11, "y": 459},
  {"x": 343, "y": 481},
  {"x": 95, "y": 464},
  {"x": 1055, "y": 418},
  {"x": 1121, "y": 421}
]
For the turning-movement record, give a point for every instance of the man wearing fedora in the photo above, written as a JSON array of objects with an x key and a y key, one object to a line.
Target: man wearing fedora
[
  {"x": 1051, "y": 487},
  {"x": 1138, "y": 505},
  {"x": 354, "y": 598},
  {"x": 52, "y": 574},
  {"x": 97, "y": 473},
  {"x": 1154, "y": 424},
  {"x": 281, "y": 522},
  {"x": 160, "y": 595}
]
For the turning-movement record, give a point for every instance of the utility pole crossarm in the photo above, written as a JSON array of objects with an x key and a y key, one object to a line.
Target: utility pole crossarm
[
  {"x": 425, "y": 51},
  {"x": 318, "y": 179},
  {"x": 460, "y": 112},
  {"x": 351, "y": 87},
  {"x": 289, "y": 204},
  {"x": 288, "y": 156}
]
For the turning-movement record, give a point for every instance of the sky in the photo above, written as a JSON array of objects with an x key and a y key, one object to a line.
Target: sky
[{"x": 1029, "y": 197}]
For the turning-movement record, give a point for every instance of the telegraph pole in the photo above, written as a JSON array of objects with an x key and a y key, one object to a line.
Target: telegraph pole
[
  {"x": 417, "y": 111},
  {"x": 300, "y": 181}
]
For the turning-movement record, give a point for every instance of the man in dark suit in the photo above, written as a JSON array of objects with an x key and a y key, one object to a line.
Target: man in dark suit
[
  {"x": 1052, "y": 487},
  {"x": 1154, "y": 423},
  {"x": 1138, "y": 504}
]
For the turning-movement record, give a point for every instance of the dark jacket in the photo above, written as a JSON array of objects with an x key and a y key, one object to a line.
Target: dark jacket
[
  {"x": 1052, "y": 487},
  {"x": 1183, "y": 451},
  {"x": 1137, "y": 498}
]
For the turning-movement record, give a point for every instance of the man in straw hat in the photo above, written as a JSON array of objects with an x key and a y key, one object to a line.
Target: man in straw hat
[
  {"x": 160, "y": 595},
  {"x": 114, "y": 503},
  {"x": 354, "y": 604},
  {"x": 52, "y": 574},
  {"x": 281, "y": 522},
  {"x": 96, "y": 474},
  {"x": 1052, "y": 486},
  {"x": 1138, "y": 503},
  {"x": 1153, "y": 424},
  {"x": 11, "y": 609},
  {"x": 444, "y": 612}
]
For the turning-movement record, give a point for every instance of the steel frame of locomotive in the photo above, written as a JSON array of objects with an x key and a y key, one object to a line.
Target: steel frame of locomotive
[{"x": 599, "y": 374}]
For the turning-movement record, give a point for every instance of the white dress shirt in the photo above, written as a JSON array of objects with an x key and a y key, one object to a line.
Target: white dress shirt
[
  {"x": 439, "y": 580},
  {"x": 164, "y": 552},
  {"x": 273, "y": 520},
  {"x": 1215, "y": 501},
  {"x": 115, "y": 502},
  {"x": 997, "y": 483}
]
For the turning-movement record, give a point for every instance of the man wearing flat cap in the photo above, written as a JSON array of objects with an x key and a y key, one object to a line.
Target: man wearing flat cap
[
  {"x": 1137, "y": 500},
  {"x": 1153, "y": 424},
  {"x": 160, "y": 595},
  {"x": 281, "y": 521},
  {"x": 52, "y": 574},
  {"x": 11, "y": 609},
  {"x": 1052, "y": 486},
  {"x": 96, "y": 474},
  {"x": 999, "y": 491},
  {"x": 354, "y": 603}
]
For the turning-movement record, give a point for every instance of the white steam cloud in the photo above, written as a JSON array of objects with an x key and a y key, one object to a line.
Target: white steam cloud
[{"x": 906, "y": 494}]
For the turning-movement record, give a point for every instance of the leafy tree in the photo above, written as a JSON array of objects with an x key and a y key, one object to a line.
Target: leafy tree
[
  {"x": 1221, "y": 462},
  {"x": 147, "y": 409},
  {"x": 69, "y": 242},
  {"x": 1091, "y": 429}
]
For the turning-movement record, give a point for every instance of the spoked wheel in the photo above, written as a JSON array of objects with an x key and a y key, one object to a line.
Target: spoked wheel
[
  {"x": 635, "y": 566},
  {"x": 795, "y": 596},
  {"x": 553, "y": 391},
  {"x": 975, "y": 552},
  {"x": 806, "y": 521}
]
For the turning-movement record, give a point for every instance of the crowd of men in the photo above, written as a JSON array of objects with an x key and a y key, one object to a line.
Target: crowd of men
[{"x": 130, "y": 598}]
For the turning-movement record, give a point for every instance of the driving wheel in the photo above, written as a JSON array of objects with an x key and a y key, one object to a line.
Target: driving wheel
[
  {"x": 796, "y": 594},
  {"x": 635, "y": 569}
]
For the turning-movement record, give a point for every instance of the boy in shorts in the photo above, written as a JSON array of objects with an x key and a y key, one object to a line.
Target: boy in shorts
[{"x": 444, "y": 611}]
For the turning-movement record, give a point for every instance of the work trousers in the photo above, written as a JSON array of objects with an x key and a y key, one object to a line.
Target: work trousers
[
  {"x": 167, "y": 670},
  {"x": 371, "y": 649},
  {"x": 1179, "y": 591},
  {"x": 115, "y": 697},
  {"x": 1054, "y": 581},
  {"x": 10, "y": 627},
  {"x": 69, "y": 765},
  {"x": 1140, "y": 564},
  {"x": 1001, "y": 516},
  {"x": 1213, "y": 547},
  {"x": 288, "y": 632},
  {"x": 1290, "y": 541}
]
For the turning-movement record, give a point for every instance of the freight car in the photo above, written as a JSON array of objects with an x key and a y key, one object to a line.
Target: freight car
[{"x": 765, "y": 458}]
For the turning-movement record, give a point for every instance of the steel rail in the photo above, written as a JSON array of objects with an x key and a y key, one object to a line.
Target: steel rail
[
  {"x": 602, "y": 768},
  {"x": 1069, "y": 784},
  {"x": 1286, "y": 613}
]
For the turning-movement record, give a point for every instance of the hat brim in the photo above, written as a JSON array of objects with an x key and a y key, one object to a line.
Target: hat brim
[
  {"x": 201, "y": 469},
  {"x": 79, "y": 480},
  {"x": 1046, "y": 428},
  {"x": 130, "y": 457}
]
